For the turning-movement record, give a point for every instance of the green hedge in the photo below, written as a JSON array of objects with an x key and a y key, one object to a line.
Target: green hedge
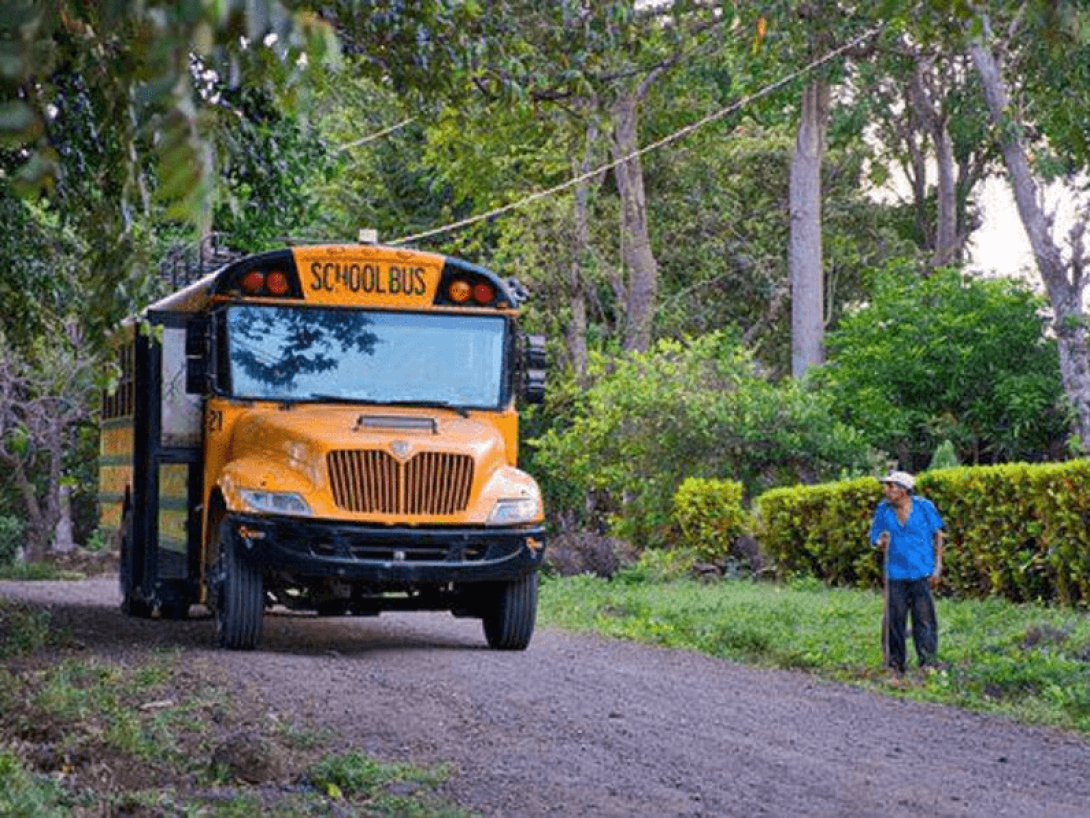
[
  {"x": 710, "y": 516},
  {"x": 821, "y": 531},
  {"x": 1016, "y": 530}
]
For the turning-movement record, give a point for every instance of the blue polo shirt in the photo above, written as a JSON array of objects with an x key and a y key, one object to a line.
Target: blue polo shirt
[{"x": 911, "y": 549}]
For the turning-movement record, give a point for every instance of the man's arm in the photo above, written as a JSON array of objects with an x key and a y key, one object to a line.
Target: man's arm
[
  {"x": 879, "y": 532},
  {"x": 938, "y": 541}
]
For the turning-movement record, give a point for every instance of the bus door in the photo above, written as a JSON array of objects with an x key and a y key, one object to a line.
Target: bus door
[{"x": 175, "y": 472}]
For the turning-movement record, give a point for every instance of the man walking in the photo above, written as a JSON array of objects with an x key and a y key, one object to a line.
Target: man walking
[{"x": 909, "y": 530}]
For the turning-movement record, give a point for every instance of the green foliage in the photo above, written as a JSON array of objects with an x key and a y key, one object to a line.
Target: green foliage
[
  {"x": 11, "y": 538},
  {"x": 355, "y": 775},
  {"x": 114, "y": 128},
  {"x": 23, "y": 630},
  {"x": 948, "y": 358},
  {"x": 40, "y": 269},
  {"x": 698, "y": 409},
  {"x": 821, "y": 531},
  {"x": 657, "y": 565},
  {"x": 944, "y": 457},
  {"x": 722, "y": 263},
  {"x": 1051, "y": 58},
  {"x": 710, "y": 516},
  {"x": 28, "y": 796},
  {"x": 271, "y": 167},
  {"x": 1015, "y": 531},
  {"x": 1024, "y": 661}
]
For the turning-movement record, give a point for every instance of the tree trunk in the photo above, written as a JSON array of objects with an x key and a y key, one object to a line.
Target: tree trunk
[
  {"x": 35, "y": 535},
  {"x": 947, "y": 246},
  {"x": 1064, "y": 283},
  {"x": 62, "y": 533},
  {"x": 642, "y": 290},
  {"x": 804, "y": 246},
  {"x": 576, "y": 331}
]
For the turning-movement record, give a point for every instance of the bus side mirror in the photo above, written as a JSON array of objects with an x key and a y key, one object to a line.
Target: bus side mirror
[
  {"x": 198, "y": 373},
  {"x": 533, "y": 369}
]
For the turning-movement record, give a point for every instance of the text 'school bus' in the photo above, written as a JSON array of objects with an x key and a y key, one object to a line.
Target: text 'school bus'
[{"x": 328, "y": 428}]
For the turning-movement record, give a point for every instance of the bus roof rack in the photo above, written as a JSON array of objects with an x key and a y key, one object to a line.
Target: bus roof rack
[{"x": 185, "y": 264}]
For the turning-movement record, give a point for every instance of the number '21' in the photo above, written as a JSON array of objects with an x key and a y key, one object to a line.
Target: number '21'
[{"x": 214, "y": 421}]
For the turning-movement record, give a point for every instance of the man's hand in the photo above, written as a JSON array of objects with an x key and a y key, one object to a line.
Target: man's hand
[
  {"x": 936, "y": 575},
  {"x": 883, "y": 539}
]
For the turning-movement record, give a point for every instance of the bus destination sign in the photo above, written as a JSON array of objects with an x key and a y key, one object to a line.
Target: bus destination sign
[{"x": 341, "y": 275}]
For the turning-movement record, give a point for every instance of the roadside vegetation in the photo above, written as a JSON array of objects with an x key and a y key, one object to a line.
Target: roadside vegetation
[
  {"x": 149, "y": 132},
  {"x": 150, "y": 735},
  {"x": 1026, "y": 662},
  {"x": 155, "y": 736}
]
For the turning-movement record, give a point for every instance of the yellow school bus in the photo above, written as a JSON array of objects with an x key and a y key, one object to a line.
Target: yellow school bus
[{"x": 326, "y": 428}]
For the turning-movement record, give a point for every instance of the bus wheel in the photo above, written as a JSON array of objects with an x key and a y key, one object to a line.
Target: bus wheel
[
  {"x": 132, "y": 604},
  {"x": 510, "y": 614},
  {"x": 239, "y": 593}
]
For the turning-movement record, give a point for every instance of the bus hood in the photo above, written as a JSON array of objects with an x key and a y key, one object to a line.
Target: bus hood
[{"x": 386, "y": 466}]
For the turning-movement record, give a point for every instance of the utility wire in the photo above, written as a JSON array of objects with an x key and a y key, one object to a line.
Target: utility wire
[
  {"x": 378, "y": 135},
  {"x": 666, "y": 140}
]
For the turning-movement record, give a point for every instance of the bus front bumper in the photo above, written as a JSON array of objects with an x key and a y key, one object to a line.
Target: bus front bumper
[{"x": 387, "y": 555}]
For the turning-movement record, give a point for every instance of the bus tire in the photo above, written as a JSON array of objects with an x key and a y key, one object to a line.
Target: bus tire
[
  {"x": 510, "y": 614},
  {"x": 132, "y": 602},
  {"x": 239, "y": 594}
]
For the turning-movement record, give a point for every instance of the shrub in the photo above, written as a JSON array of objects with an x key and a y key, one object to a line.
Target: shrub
[
  {"x": 710, "y": 516},
  {"x": 1019, "y": 531},
  {"x": 696, "y": 409},
  {"x": 821, "y": 531}
]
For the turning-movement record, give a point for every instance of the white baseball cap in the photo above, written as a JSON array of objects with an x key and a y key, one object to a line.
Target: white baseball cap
[{"x": 900, "y": 478}]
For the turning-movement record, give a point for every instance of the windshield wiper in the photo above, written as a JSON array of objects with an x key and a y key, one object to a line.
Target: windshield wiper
[
  {"x": 426, "y": 404},
  {"x": 319, "y": 396}
]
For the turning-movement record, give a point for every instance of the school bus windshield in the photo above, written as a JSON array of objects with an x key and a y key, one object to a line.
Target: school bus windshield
[{"x": 315, "y": 354}]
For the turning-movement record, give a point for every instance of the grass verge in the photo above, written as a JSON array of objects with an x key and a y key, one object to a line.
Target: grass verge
[
  {"x": 152, "y": 735},
  {"x": 1026, "y": 662}
]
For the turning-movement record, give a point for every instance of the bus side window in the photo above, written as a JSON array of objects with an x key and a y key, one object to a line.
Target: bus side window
[{"x": 197, "y": 349}]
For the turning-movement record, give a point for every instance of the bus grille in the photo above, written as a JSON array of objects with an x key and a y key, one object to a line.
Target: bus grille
[{"x": 374, "y": 482}]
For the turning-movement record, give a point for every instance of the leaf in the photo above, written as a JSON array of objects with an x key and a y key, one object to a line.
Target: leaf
[{"x": 18, "y": 124}]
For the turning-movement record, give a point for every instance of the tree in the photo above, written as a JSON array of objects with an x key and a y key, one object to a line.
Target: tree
[
  {"x": 271, "y": 166},
  {"x": 948, "y": 358},
  {"x": 46, "y": 392},
  {"x": 102, "y": 111},
  {"x": 927, "y": 113},
  {"x": 810, "y": 30},
  {"x": 598, "y": 62},
  {"x": 804, "y": 248},
  {"x": 1063, "y": 274}
]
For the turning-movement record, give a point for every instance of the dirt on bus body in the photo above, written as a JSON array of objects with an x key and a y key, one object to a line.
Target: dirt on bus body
[{"x": 578, "y": 725}]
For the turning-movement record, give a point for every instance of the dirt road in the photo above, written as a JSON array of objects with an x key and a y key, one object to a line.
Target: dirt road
[{"x": 578, "y": 726}]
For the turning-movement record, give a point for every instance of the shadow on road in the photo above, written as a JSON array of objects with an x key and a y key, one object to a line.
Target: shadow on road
[{"x": 103, "y": 628}]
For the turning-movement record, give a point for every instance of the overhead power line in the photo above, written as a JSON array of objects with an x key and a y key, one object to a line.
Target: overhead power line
[
  {"x": 666, "y": 140},
  {"x": 377, "y": 135}
]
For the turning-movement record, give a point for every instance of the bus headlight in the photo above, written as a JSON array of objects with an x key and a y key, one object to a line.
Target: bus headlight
[
  {"x": 513, "y": 510},
  {"x": 276, "y": 502}
]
